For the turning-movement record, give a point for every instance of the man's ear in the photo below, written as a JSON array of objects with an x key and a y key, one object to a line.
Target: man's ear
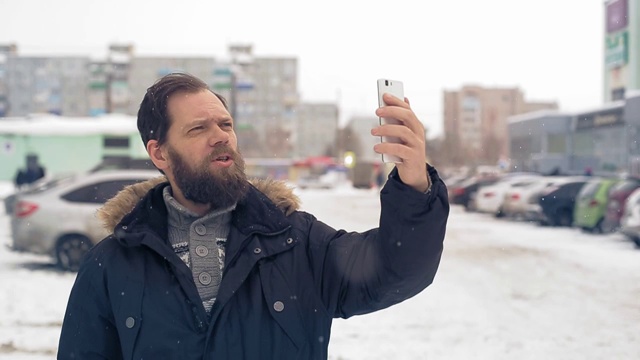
[{"x": 157, "y": 154}]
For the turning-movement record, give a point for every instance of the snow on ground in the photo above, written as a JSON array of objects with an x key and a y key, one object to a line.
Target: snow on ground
[{"x": 505, "y": 290}]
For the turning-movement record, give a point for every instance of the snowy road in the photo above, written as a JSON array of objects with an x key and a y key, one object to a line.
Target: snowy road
[{"x": 505, "y": 290}]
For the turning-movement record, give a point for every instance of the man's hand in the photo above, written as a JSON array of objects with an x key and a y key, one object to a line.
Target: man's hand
[{"x": 412, "y": 169}]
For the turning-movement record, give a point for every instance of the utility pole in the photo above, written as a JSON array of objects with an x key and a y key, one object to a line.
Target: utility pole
[{"x": 108, "y": 86}]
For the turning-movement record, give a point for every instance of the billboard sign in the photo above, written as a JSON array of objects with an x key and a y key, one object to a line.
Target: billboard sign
[
  {"x": 616, "y": 50},
  {"x": 617, "y": 15}
]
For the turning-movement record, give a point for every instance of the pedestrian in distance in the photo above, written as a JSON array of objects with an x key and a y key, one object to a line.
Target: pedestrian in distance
[
  {"x": 31, "y": 173},
  {"x": 203, "y": 263}
]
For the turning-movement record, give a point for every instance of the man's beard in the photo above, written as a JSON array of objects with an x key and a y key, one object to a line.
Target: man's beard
[{"x": 220, "y": 188}]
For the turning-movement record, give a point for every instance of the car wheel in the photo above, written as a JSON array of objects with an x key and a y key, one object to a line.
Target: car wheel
[
  {"x": 70, "y": 251},
  {"x": 470, "y": 205},
  {"x": 600, "y": 227},
  {"x": 565, "y": 218}
]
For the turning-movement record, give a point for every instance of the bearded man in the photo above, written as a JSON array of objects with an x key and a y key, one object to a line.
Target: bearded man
[{"x": 203, "y": 264}]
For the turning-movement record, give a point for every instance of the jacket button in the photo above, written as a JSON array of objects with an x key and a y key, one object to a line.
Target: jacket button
[
  {"x": 278, "y": 306},
  {"x": 257, "y": 250},
  {"x": 130, "y": 322},
  {"x": 289, "y": 240}
]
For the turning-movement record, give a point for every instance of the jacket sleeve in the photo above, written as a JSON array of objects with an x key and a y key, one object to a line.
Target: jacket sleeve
[
  {"x": 88, "y": 330},
  {"x": 359, "y": 273}
]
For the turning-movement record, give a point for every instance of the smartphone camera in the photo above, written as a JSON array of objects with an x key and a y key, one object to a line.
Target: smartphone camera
[{"x": 386, "y": 82}]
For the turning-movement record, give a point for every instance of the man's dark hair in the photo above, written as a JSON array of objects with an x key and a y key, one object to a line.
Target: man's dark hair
[{"x": 153, "y": 117}]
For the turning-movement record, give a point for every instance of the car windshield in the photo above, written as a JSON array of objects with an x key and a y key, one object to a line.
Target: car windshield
[
  {"x": 47, "y": 184},
  {"x": 625, "y": 186},
  {"x": 589, "y": 189}
]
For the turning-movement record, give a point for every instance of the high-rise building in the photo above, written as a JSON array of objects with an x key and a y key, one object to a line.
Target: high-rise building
[
  {"x": 110, "y": 82},
  {"x": 145, "y": 70},
  {"x": 621, "y": 48},
  {"x": 55, "y": 85},
  {"x": 275, "y": 97},
  {"x": 315, "y": 130},
  {"x": 262, "y": 92},
  {"x": 475, "y": 120},
  {"x": 6, "y": 51}
]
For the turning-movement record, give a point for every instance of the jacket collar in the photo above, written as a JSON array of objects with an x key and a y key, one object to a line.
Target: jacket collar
[{"x": 140, "y": 208}]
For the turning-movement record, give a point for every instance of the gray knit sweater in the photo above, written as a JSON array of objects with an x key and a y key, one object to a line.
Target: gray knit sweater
[{"x": 200, "y": 242}]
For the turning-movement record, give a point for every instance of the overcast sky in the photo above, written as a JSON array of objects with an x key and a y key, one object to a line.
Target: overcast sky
[{"x": 551, "y": 49}]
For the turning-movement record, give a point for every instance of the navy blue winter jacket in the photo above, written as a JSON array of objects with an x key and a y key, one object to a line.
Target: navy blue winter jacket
[{"x": 287, "y": 275}]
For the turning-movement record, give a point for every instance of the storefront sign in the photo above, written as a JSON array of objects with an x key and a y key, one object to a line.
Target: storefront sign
[
  {"x": 617, "y": 50},
  {"x": 604, "y": 118}
]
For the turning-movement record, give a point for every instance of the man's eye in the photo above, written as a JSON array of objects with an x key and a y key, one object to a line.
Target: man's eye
[
  {"x": 197, "y": 128},
  {"x": 227, "y": 125}
]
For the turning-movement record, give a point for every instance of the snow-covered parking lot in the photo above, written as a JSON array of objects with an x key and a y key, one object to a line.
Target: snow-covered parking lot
[{"x": 505, "y": 290}]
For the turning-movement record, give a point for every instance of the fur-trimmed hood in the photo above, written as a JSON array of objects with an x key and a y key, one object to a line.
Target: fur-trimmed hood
[{"x": 120, "y": 205}]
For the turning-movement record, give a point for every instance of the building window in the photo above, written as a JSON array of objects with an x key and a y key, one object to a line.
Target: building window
[
  {"x": 556, "y": 144},
  {"x": 470, "y": 102},
  {"x": 116, "y": 142}
]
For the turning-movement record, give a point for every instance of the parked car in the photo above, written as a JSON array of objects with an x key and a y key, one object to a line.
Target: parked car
[
  {"x": 616, "y": 203},
  {"x": 557, "y": 202},
  {"x": 59, "y": 219},
  {"x": 464, "y": 193},
  {"x": 453, "y": 181},
  {"x": 490, "y": 198},
  {"x": 119, "y": 162},
  {"x": 591, "y": 204},
  {"x": 630, "y": 221},
  {"x": 328, "y": 180},
  {"x": 522, "y": 201},
  {"x": 107, "y": 164},
  {"x": 47, "y": 181}
]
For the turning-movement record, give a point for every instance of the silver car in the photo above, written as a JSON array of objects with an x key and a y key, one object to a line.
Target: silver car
[
  {"x": 630, "y": 221},
  {"x": 59, "y": 219}
]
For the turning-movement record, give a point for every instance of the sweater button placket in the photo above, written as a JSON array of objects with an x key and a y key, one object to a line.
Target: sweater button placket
[
  {"x": 202, "y": 250},
  {"x": 204, "y": 278}
]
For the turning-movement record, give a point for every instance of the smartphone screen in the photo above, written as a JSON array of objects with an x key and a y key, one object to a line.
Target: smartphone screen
[{"x": 395, "y": 88}]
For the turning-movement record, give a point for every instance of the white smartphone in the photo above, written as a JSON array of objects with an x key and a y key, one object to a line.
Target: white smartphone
[{"x": 395, "y": 88}]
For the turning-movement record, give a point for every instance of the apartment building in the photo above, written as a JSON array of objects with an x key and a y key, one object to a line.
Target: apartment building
[
  {"x": 315, "y": 129},
  {"x": 145, "y": 70},
  {"x": 262, "y": 92},
  {"x": 6, "y": 51},
  {"x": 475, "y": 120},
  {"x": 55, "y": 85}
]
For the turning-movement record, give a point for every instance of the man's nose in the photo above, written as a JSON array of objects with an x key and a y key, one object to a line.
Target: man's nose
[{"x": 218, "y": 136}]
